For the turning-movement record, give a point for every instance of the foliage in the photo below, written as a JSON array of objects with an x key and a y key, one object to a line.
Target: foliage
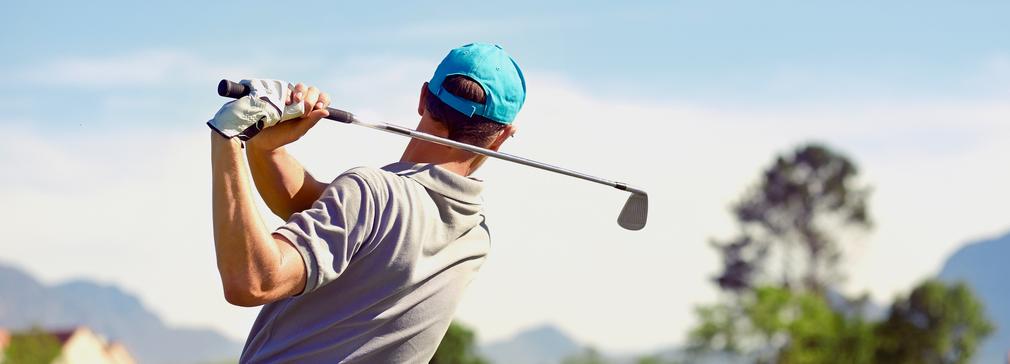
[
  {"x": 33, "y": 347},
  {"x": 719, "y": 329},
  {"x": 821, "y": 334},
  {"x": 458, "y": 346},
  {"x": 802, "y": 200},
  {"x": 741, "y": 258},
  {"x": 652, "y": 359},
  {"x": 934, "y": 324},
  {"x": 587, "y": 356},
  {"x": 803, "y": 203},
  {"x": 774, "y": 324}
]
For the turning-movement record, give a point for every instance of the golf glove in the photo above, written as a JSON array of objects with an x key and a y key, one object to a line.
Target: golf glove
[{"x": 262, "y": 108}]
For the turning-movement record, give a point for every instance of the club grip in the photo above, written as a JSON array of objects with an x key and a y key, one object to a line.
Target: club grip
[
  {"x": 232, "y": 89},
  {"x": 236, "y": 90}
]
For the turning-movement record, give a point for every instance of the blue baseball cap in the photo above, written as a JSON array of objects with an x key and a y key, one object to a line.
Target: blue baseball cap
[{"x": 495, "y": 71}]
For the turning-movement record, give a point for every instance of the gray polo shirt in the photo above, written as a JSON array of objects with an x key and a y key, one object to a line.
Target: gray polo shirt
[{"x": 388, "y": 253}]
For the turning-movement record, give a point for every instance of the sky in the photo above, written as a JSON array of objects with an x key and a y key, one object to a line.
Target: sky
[{"x": 104, "y": 163}]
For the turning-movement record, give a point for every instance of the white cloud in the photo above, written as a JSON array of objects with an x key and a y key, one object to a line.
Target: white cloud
[
  {"x": 561, "y": 258},
  {"x": 118, "y": 208},
  {"x": 148, "y": 67},
  {"x": 124, "y": 208}
]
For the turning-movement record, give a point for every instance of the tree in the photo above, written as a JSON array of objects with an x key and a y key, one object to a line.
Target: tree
[
  {"x": 936, "y": 323},
  {"x": 587, "y": 356},
  {"x": 775, "y": 325},
  {"x": 652, "y": 359},
  {"x": 820, "y": 333},
  {"x": 801, "y": 207},
  {"x": 803, "y": 200},
  {"x": 720, "y": 329},
  {"x": 33, "y": 347},
  {"x": 458, "y": 346},
  {"x": 740, "y": 259}
]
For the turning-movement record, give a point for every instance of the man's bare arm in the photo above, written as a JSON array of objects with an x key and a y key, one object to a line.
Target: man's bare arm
[
  {"x": 281, "y": 180},
  {"x": 255, "y": 266}
]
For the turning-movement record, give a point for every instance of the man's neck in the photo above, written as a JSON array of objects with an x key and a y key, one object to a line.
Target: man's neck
[{"x": 448, "y": 158}]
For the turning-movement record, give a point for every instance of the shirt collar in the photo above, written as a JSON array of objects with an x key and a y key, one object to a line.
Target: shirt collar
[{"x": 440, "y": 180}]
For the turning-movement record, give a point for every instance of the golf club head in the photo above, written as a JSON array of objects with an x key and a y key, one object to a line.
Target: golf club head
[{"x": 635, "y": 212}]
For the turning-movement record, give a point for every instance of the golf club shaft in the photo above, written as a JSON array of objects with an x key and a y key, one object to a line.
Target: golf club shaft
[{"x": 236, "y": 90}]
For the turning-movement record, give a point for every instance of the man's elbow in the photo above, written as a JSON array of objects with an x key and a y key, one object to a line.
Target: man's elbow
[{"x": 245, "y": 295}]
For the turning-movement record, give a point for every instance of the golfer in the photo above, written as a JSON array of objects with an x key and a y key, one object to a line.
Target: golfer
[{"x": 370, "y": 267}]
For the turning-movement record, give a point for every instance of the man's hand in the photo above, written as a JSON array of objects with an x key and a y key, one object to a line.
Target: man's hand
[
  {"x": 262, "y": 108},
  {"x": 315, "y": 103}
]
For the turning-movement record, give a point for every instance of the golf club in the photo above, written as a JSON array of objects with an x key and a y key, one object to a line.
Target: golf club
[{"x": 633, "y": 216}]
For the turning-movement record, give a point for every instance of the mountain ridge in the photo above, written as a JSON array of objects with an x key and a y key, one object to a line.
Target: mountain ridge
[
  {"x": 110, "y": 311},
  {"x": 982, "y": 265},
  {"x": 542, "y": 344}
]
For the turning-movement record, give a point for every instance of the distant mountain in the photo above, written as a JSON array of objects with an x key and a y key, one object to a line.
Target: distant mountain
[
  {"x": 546, "y": 344},
  {"x": 540, "y": 345},
  {"x": 25, "y": 302},
  {"x": 984, "y": 266}
]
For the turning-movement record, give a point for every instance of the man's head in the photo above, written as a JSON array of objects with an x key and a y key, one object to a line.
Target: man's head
[
  {"x": 472, "y": 98},
  {"x": 475, "y": 130}
]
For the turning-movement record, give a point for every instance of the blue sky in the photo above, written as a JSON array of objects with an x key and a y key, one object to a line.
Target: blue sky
[
  {"x": 717, "y": 52},
  {"x": 105, "y": 104}
]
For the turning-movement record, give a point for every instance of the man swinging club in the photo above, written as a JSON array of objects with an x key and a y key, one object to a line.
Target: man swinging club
[{"x": 369, "y": 268}]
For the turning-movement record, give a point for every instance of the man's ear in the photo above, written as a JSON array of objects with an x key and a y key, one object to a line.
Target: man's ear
[
  {"x": 508, "y": 132},
  {"x": 422, "y": 101}
]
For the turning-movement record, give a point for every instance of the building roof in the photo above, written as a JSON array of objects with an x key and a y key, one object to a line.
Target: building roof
[
  {"x": 64, "y": 335},
  {"x": 114, "y": 352}
]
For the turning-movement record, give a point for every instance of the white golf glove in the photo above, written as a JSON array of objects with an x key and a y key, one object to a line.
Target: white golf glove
[{"x": 262, "y": 108}]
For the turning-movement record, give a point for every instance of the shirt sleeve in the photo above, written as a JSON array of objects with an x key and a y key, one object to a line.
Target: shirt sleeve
[{"x": 331, "y": 232}]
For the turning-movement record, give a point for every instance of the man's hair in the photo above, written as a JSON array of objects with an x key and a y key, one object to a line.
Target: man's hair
[{"x": 474, "y": 130}]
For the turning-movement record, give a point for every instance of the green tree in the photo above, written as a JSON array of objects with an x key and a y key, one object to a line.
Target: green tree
[
  {"x": 775, "y": 325},
  {"x": 651, "y": 359},
  {"x": 801, "y": 203},
  {"x": 458, "y": 346},
  {"x": 721, "y": 327},
  {"x": 33, "y": 347},
  {"x": 936, "y": 323},
  {"x": 821, "y": 334},
  {"x": 800, "y": 208},
  {"x": 587, "y": 356}
]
